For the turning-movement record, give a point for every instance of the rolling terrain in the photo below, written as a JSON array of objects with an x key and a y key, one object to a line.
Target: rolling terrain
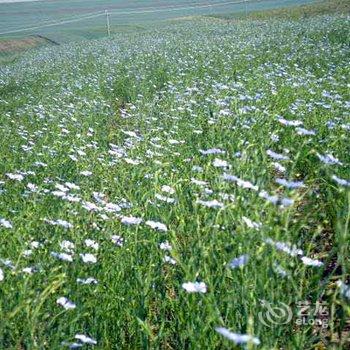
[
  {"x": 65, "y": 21},
  {"x": 184, "y": 185}
]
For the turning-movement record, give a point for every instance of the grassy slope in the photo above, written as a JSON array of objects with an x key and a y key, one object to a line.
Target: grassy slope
[
  {"x": 320, "y": 7},
  {"x": 176, "y": 84},
  {"x": 21, "y": 15},
  {"x": 11, "y": 49}
]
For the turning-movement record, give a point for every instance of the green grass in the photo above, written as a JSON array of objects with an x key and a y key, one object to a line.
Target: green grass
[
  {"x": 11, "y": 49},
  {"x": 136, "y": 110},
  {"x": 320, "y": 7},
  {"x": 144, "y": 13}
]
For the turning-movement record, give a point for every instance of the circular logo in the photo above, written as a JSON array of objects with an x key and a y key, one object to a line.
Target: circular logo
[{"x": 275, "y": 314}]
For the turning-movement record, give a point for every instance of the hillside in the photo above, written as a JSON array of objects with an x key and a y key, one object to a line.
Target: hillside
[
  {"x": 185, "y": 186},
  {"x": 66, "y": 21}
]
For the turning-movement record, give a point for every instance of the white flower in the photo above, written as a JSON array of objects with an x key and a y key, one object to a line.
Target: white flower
[
  {"x": 91, "y": 243},
  {"x": 198, "y": 182},
  {"x": 344, "y": 289},
  {"x": 290, "y": 184},
  {"x": 71, "y": 198},
  {"x": 73, "y": 157},
  {"x": 164, "y": 198},
  {"x": 59, "y": 193},
  {"x": 311, "y": 262},
  {"x": 212, "y": 151},
  {"x": 32, "y": 187},
  {"x": 156, "y": 225},
  {"x": 283, "y": 202},
  {"x": 65, "y": 303},
  {"x": 290, "y": 122},
  {"x": 208, "y": 191},
  {"x": 275, "y": 138},
  {"x": 60, "y": 222},
  {"x": 62, "y": 256},
  {"x": 72, "y": 186},
  {"x": 28, "y": 270},
  {"x": 130, "y": 220},
  {"x": 302, "y": 131},
  {"x": 117, "y": 240},
  {"x": 167, "y": 189},
  {"x": 90, "y": 206},
  {"x": 279, "y": 167},
  {"x": 291, "y": 250},
  {"x": 5, "y": 223},
  {"x": 89, "y": 280},
  {"x": 61, "y": 188},
  {"x": 227, "y": 196},
  {"x": 279, "y": 270},
  {"x": 27, "y": 252},
  {"x": 276, "y": 156},
  {"x": 129, "y": 133},
  {"x": 237, "y": 338},
  {"x": 219, "y": 163},
  {"x": 16, "y": 177},
  {"x": 40, "y": 164},
  {"x": 112, "y": 208},
  {"x": 35, "y": 244},
  {"x": 7, "y": 263},
  {"x": 86, "y": 340},
  {"x": 67, "y": 246},
  {"x": 88, "y": 258},
  {"x": 240, "y": 182},
  {"x": 132, "y": 161},
  {"x": 1, "y": 275},
  {"x": 329, "y": 159},
  {"x": 239, "y": 262},
  {"x": 169, "y": 259},
  {"x": 197, "y": 168},
  {"x": 64, "y": 223},
  {"x": 99, "y": 197},
  {"x": 340, "y": 181},
  {"x": 196, "y": 287},
  {"x": 225, "y": 112},
  {"x": 250, "y": 223},
  {"x": 165, "y": 246},
  {"x": 86, "y": 173},
  {"x": 211, "y": 204}
]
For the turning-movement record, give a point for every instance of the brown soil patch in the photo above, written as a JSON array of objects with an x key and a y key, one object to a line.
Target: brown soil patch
[{"x": 20, "y": 44}]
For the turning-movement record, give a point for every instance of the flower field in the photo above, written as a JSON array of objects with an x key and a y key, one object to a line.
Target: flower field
[{"x": 175, "y": 188}]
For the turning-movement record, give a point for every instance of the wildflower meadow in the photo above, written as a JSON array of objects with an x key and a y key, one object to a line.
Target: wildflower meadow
[{"x": 184, "y": 186}]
